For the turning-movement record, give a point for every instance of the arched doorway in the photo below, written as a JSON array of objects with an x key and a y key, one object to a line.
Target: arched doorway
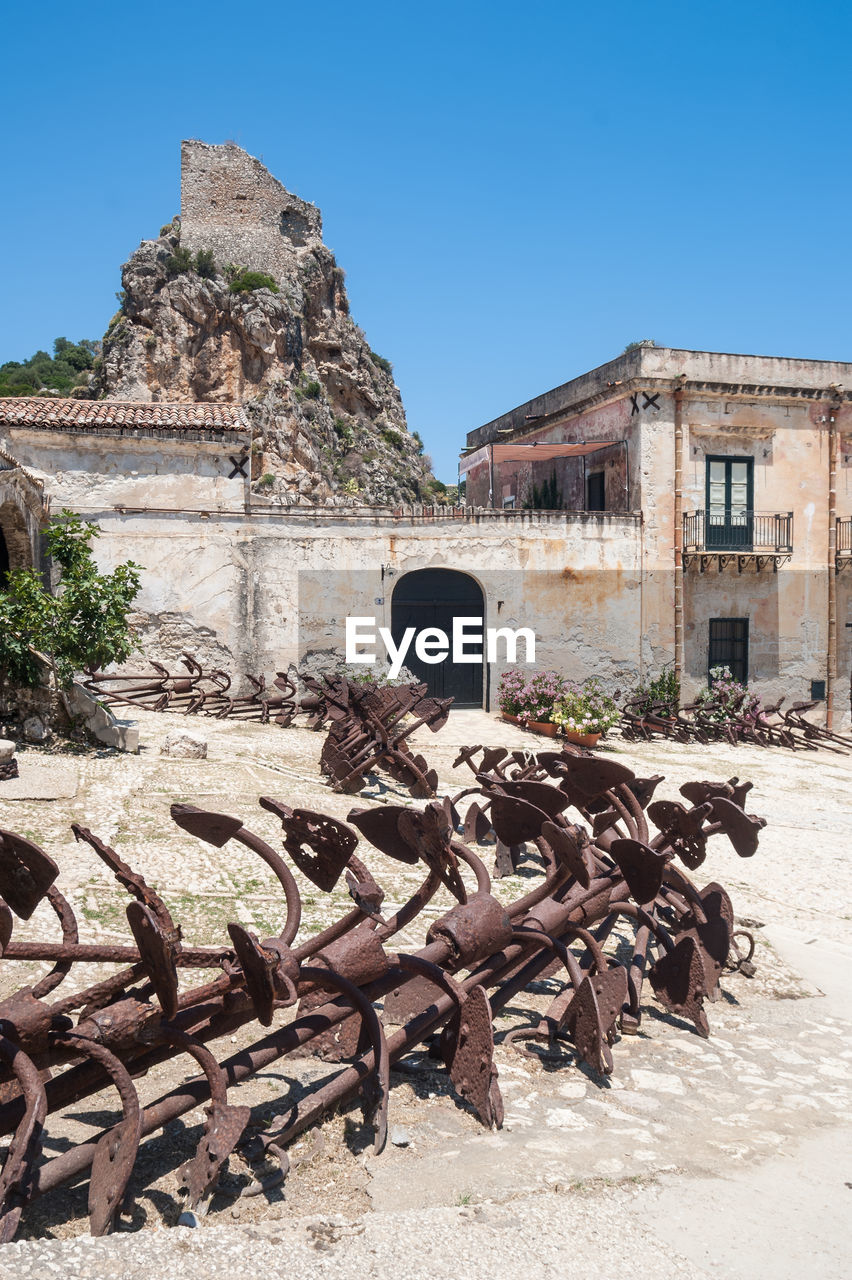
[
  {"x": 22, "y": 510},
  {"x": 433, "y": 598}
]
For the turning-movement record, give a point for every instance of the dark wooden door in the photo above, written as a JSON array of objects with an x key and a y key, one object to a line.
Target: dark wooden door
[{"x": 433, "y": 598}]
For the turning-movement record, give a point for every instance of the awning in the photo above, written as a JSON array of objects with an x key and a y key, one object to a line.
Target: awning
[{"x": 537, "y": 451}]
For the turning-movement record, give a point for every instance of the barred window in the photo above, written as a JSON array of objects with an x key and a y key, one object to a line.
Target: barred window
[{"x": 729, "y": 646}]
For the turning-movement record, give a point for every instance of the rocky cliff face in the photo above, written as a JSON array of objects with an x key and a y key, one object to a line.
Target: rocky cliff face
[{"x": 240, "y": 300}]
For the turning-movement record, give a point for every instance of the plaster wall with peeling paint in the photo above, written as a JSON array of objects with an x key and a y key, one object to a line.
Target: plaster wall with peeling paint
[
  {"x": 257, "y": 592},
  {"x": 774, "y": 412}
]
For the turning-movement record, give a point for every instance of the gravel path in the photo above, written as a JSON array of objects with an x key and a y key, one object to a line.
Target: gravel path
[{"x": 725, "y": 1157}]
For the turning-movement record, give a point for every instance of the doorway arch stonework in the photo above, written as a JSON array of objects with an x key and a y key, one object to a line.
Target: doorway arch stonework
[
  {"x": 23, "y": 510},
  {"x": 433, "y": 598}
]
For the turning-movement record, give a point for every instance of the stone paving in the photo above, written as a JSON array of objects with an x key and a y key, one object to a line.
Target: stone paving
[{"x": 777, "y": 1069}]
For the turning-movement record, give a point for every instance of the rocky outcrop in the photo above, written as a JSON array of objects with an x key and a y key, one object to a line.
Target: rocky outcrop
[{"x": 198, "y": 322}]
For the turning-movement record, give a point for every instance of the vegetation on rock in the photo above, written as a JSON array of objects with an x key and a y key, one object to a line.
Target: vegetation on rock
[
  {"x": 272, "y": 332},
  {"x": 247, "y": 281}
]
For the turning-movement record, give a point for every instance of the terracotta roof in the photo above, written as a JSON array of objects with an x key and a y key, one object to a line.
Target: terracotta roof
[{"x": 46, "y": 412}]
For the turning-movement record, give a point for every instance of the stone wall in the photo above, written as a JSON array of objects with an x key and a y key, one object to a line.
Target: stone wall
[
  {"x": 256, "y": 593},
  {"x": 91, "y": 472},
  {"x": 232, "y": 205},
  {"x": 22, "y": 511}
]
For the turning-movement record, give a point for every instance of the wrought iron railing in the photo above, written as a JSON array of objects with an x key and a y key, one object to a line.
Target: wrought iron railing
[
  {"x": 763, "y": 532},
  {"x": 844, "y": 536}
]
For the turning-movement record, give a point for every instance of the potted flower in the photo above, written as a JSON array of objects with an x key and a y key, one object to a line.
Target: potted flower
[
  {"x": 585, "y": 712},
  {"x": 538, "y": 698},
  {"x": 509, "y": 694},
  {"x": 726, "y": 700}
]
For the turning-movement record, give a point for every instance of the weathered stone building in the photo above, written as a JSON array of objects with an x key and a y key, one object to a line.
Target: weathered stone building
[
  {"x": 250, "y": 585},
  {"x": 741, "y": 470}
]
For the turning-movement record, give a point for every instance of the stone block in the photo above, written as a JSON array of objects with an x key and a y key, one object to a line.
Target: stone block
[
  {"x": 101, "y": 723},
  {"x": 184, "y": 746},
  {"x": 35, "y": 730}
]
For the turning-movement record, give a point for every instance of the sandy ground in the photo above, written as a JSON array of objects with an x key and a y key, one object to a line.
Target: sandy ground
[{"x": 727, "y": 1157}]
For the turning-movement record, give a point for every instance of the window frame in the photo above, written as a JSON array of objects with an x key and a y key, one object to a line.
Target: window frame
[{"x": 727, "y": 662}]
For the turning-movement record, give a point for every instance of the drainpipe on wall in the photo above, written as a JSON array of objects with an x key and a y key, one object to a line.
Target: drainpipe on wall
[
  {"x": 678, "y": 527},
  {"x": 247, "y": 495},
  {"x": 831, "y": 655}
]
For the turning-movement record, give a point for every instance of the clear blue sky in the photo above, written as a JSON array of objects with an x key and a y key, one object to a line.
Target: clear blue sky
[{"x": 515, "y": 192}]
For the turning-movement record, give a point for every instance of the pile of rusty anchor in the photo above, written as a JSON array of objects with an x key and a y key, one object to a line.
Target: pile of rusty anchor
[
  {"x": 195, "y": 691},
  {"x": 603, "y": 867},
  {"x": 368, "y": 728},
  {"x": 769, "y": 726}
]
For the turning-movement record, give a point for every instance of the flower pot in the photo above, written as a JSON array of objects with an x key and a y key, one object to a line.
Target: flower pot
[
  {"x": 511, "y": 719},
  {"x": 547, "y": 729},
  {"x": 582, "y": 739}
]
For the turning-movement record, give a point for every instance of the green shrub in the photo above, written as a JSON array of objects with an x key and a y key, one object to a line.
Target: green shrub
[
  {"x": 244, "y": 281},
  {"x": 381, "y": 363},
  {"x": 586, "y": 708},
  {"x": 391, "y": 437},
  {"x": 179, "y": 262},
  {"x": 344, "y": 432},
  {"x": 205, "y": 264},
  {"x": 312, "y": 389},
  {"x": 266, "y": 481},
  {"x": 664, "y": 688}
]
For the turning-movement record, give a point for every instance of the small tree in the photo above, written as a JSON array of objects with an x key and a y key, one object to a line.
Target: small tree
[
  {"x": 83, "y": 625},
  {"x": 547, "y": 497}
]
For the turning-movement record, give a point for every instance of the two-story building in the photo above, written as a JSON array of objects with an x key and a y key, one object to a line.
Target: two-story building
[{"x": 740, "y": 469}]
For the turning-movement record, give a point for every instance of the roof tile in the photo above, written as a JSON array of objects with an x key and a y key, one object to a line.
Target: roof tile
[{"x": 47, "y": 411}]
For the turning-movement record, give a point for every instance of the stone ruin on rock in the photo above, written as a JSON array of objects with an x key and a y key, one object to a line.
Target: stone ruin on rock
[{"x": 328, "y": 421}]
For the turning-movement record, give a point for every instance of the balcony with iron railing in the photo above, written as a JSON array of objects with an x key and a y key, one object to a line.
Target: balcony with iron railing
[
  {"x": 744, "y": 538},
  {"x": 843, "y": 542}
]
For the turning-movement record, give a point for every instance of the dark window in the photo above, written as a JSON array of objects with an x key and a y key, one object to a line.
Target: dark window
[
  {"x": 730, "y": 502},
  {"x": 818, "y": 691},
  {"x": 729, "y": 646},
  {"x": 595, "y": 493}
]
